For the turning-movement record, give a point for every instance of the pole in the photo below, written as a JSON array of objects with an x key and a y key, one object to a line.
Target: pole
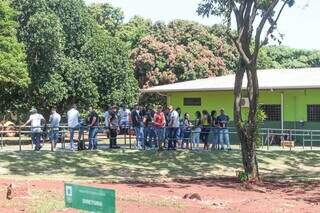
[
  {"x": 311, "y": 139},
  {"x": 130, "y": 137},
  {"x": 268, "y": 136},
  {"x": 20, "y": 138},
  {"x": 2, "y": 139},
  {"x": 303, "y": 140},
  {"x": 282, "y": 114}
]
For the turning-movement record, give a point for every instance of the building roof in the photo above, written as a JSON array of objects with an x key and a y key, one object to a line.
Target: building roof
[{"x": 268, "y": 79}]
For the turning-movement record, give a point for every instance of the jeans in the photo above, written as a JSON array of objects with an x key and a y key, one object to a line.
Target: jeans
[
  {"x": 93, "y": 142},
  {"x": 185, "y": 137},
  {"x": 149, "y": 136},
  {"x": 54, "y": 136},
  {"x": 215, "y": 138},
  {"x": 124, "y": 126},
  {"x": 196, "y": 137},
  {"x": 160, "y": 136},
  {"x": 139, "y": 137},
  {"x": 78, "y": 127},
  {"x": 36, "y": 138},
  {"x": 172, "y": 134},
  {"x": 224, "y": 138}
]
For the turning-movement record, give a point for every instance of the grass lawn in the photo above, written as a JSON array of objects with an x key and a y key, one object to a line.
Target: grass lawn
[{"x": 152, "y": 166}]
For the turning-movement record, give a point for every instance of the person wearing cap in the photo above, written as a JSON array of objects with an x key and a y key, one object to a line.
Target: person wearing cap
[
  {"x": 54, "y": 121},
  {"x": 74, "y": 124},
  {"x": 222, "y": 121},
  {"x": 35, "y": 120}
]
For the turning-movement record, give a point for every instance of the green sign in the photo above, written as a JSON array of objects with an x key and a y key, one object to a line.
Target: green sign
[{"x": 89, "y": 198}]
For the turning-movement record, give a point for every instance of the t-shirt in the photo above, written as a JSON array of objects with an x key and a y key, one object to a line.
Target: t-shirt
[
  {"x": 35, "y": 120},
  {"x": 106, "y": 118},
  {"x": 174, "y": 119},
  {"x": 55, "y": 121},
  {"x": 136, "y": 118},
  {"x": 124, "y": 115},
  {"x": 92, "y": 116},
  {"x": 73, "y": 118},
  {"x": 159, "y": 120},
  {"x": 114, "y": 122},
  {"x": 148, "y": 119},
  {"x": 223, "y": 121},
  {"x": 186, "y": 124}
]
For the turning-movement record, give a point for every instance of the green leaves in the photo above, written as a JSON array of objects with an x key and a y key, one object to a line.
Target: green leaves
[
  {"x": 13, "y": 69},
  {"x": 107, "y": 16},
  {"x": 111, "y": 69}
]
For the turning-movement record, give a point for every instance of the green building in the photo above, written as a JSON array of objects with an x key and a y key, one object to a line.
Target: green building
[{"x": 290, "y": 98}]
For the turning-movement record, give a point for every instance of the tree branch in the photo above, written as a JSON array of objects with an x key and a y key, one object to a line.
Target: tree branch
[
  {"x": 261, "y": 25},
  {"x": 273, "y": 24}
]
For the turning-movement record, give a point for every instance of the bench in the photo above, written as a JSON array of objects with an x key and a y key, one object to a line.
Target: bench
[{"x": 286, "y": 143}]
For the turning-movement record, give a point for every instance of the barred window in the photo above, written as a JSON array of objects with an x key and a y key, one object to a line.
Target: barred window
[
  {"x": 313, "y": 112},
  {"x": 273, "y": 112},
  {"x": 192, "y": 101}
]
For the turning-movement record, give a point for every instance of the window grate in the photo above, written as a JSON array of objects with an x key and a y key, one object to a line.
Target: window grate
[
  {"x": 313, "y": 112},
  {"x": 192, "y": 101},
  {"x": 272, "y": 111}
]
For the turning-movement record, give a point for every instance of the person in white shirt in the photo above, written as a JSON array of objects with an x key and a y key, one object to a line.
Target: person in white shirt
[
  {"x": 173, "y": 127},
  {"x": 124, "y": 114},
  {"x": 35, "y": 120},
  {"x": 74, "y": 124},
  {"x": 54, "y": 121}
]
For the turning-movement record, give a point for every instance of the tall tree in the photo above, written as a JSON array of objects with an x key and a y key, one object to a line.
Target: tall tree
[
  {"x": 108, "y": 17},
  {"x": 13, "y": 69},
  {"x": 111, "y": 69},
  {"x": 253, "y": 18}
]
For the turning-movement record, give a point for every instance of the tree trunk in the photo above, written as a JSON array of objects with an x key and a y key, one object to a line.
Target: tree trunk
[{"x": 247, "y": 131}]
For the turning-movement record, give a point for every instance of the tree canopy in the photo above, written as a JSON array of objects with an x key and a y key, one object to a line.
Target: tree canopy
[
  {"x": 14, "y": 76},
  {"x": 59, "y": 52}
]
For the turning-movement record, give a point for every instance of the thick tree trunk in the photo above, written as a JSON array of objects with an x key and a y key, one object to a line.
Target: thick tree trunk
[{"x": 247, "y": 131}]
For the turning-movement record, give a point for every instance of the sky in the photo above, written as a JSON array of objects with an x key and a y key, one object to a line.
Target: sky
[{"x": 300, "y": 24}]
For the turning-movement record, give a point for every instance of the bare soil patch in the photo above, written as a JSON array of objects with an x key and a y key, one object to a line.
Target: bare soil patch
[{"x": 217, "y": 195}]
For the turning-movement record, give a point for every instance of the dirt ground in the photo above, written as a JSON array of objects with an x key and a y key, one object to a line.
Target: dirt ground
[{"x": 220, "y": 195}]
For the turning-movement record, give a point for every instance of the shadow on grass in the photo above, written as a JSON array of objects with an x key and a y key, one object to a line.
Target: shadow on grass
[{"x": 152, "y": 166}]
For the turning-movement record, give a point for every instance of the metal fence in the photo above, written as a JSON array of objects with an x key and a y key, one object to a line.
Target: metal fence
[{"x": 270, "y": 137}]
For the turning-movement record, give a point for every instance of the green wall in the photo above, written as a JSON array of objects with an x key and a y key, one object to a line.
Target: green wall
[{"x": 295, "y": 104}]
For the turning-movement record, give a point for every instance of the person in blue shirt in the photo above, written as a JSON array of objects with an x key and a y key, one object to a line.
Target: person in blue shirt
[
  {"x": 222, "y": 121},
  {"x": 54, "y": 120}
]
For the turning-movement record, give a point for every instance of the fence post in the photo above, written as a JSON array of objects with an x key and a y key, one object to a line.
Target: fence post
[
  {"x": 20, "y": 139},
  {"x": 303, "y": 140},
  {"x": 125, "y": 135},
  {"x": 63, "y": 145},
  {"x": 52, "y": 141},
  {"x": 130, "y": 138},
  {"x": 311, "y": 139},
  {"x": 268, "y": 140},
  {"x": 1, "y": 139}
]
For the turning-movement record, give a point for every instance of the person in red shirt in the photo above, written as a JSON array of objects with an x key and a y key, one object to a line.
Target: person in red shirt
[{"x": 159, "y": 124}]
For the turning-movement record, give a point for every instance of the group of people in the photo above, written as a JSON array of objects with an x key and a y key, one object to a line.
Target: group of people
[{"x": 162, "y": 128}]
